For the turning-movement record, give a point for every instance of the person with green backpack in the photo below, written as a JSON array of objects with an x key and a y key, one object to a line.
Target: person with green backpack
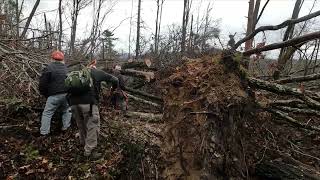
[{"x": 83, "y": 93}]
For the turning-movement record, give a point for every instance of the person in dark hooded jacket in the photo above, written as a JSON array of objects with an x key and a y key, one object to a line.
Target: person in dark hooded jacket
[{"x": 51, "y": 85}]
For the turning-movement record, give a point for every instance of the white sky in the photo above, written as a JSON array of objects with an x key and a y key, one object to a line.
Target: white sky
[{"x": 231, "y": 12}]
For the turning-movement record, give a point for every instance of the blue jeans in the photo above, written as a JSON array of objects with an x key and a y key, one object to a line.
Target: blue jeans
[{"x": 52, "y": 104}]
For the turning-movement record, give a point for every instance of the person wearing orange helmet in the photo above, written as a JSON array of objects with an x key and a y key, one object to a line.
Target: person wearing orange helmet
[{"x": 51, "y": 85}]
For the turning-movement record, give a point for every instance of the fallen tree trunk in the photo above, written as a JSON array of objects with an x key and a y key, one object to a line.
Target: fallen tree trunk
[
  {"x": 150, "y": 117},
  {"x": 139, "y": 74},
  {"x": 144, "y": 94},
  {"x": 299, "y": 79},
  {"x": 277, "y": 27},
  {"x": 281, "y": 170},
  {"x": 292, "y": 121},
  {"x": 144, "y": 101},
  {"x": 290, "y": 103},
  {"x": 138, "y": 65},
  {"x": 299, "y": 111},
  {"x": 291, "y": 42},
  {"x": 309, "y": 97}
]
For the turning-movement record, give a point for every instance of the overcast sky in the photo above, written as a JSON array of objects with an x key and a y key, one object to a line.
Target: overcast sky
[{"x": 231, "y": 12}]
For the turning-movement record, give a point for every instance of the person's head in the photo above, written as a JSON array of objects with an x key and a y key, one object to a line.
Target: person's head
[
  {"x": 93, "y": 64},
  {"x": 57, "y": 56}
]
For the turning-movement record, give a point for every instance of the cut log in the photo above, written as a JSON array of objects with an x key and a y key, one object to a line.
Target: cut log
[
  {"x": 281, "y": 170},
  {"x": 143, "y": 101},
  {"x": 148, "y": 76},
  {"x": 150, "y": 117},
  {"x": 144, "y": 94},
  {"x": 137, "y": 65},
  {"x": 299, "y": 79}
]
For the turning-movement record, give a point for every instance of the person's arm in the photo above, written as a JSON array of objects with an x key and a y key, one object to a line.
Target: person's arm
[
  {"x": 103, "y": 76},
  {"x": 44, "y": 81}
]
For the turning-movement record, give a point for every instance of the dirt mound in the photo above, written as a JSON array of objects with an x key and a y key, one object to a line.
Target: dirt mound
[{"x": 204, "y": 106}]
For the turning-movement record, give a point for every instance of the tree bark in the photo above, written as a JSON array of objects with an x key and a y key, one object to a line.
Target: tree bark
[
  {"x": 184, "y": 25},
  {"x": 291, "y": 42},
  {"x": 144, "y": 94},
  {"x": 29, "y": 19},
  {"x": 60, "y": 25},
  {"x": 299, "y": 79},
  {"x": 17, "y": 19},
  {"x": 156, "y": 33},
  {"x": 144, "y": 101},
  {"x": 281, "y": 170},
  {"x": 277, "y": 27},
  {"x": 74, "y": 18},
  {"x": 286, "y": 53},
  {"x": 138, "y": 31},
  {"x": 248, "y": 44}
]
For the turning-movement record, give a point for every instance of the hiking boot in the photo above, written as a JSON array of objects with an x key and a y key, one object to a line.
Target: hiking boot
[{"x": 92, "y": 155}]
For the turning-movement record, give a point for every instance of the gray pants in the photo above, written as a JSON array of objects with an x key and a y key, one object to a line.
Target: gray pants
[
  {"x": 88, "y": 122},
  {"x": 52, "y": 104}
]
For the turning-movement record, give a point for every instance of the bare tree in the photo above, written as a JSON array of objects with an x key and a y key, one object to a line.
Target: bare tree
[
  {"x": 130, "y": 31},
  {"x": 95, "y": 27},
  {"x": 156, "y": 33},
  {"x": 253, "y": 11},
  {"x": 185, "y": 17},
  {"x": 77, "y": 5},
  {"x": 29, "y": 19},
  {"x": 287, "y": 52},
  {"x": 138, "y": 31},
  {"x": 60, "y": 25},
  {"x": 17, "y": 19}
]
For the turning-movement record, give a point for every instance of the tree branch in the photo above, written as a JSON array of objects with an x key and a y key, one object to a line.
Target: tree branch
[
  {"x": 287, "y": 43},
  {"x": 277, "y": 27},
  {"x": 299, "y": 79}
]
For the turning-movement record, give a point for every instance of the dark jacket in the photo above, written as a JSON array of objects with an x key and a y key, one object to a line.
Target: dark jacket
[
  {"x": 52, "y": 79},
  {"x": 92, "y": 97}
]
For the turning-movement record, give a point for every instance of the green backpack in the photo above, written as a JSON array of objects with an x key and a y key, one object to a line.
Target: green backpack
[{"x": 79, "y": 82}]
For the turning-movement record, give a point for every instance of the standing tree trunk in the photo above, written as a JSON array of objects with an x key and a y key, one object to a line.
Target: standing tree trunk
[
  {"x": 138, "y": 31},
  {"x": 184, "y": 25},
  {"x": 255, "y": 14},
  {"x": 248, "y": 44},
  {"x": 74, "y": 18},
  {"x": 286, "y": 53},
  {"x": 60, "y": 25},
  {"x": 130, "y": 31},
  {"x": 156, "y": 33},
  {"x": 46, "y": 30},
  {"x": 191, "y": 35},
  {"x": 29, "y": 19},
  {"x": 17, "y": 19}
]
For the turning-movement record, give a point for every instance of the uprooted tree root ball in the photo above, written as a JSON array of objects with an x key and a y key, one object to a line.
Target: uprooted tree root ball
[
  {"x": 205, "y": 110},
  {"x": 214, "y": 129}
]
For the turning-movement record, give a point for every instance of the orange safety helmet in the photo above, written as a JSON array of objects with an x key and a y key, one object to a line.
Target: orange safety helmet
[{"x": 57, "y": 55}]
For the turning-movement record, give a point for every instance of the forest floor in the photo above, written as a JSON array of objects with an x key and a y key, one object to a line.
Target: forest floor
[
  {"x": 191, "y": 140},
  {"x": 125, "y": 144}
]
